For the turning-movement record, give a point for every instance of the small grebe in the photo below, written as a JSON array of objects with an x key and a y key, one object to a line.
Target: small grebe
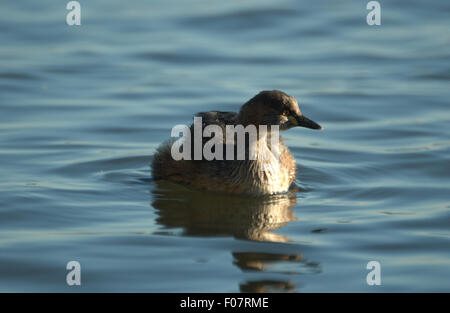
[{"x": 254, "y": 176}]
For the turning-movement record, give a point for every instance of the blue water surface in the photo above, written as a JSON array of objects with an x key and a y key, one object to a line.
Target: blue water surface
[{"x": 83, "y": 108}]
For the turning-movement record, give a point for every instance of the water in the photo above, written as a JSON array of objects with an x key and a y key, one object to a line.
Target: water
[{"x": 82, "y": 110}]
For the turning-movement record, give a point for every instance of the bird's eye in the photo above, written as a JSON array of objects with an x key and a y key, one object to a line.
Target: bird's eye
[{"x": 285, "y": 113}]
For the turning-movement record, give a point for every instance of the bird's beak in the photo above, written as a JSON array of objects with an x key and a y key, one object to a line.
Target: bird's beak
[{"x": 303, "y": 121}]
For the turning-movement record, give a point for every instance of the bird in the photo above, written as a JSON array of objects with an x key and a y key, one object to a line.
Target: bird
[{"x": 270, "y": 170}]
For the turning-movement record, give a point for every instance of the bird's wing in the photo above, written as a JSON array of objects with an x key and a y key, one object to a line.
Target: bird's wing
[
  {"x": 221, "y": 119},
  {"x": 218, "y": 118}
]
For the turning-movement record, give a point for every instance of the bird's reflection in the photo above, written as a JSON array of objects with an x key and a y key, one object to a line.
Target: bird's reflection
[
  {"x": 261, "y": 261},
  {"x": 210, "y": 215},
  {"x": 267, "y": 286}
]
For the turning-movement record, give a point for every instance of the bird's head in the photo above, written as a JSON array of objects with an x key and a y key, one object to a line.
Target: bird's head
[{"x": 274, "y": 107}]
